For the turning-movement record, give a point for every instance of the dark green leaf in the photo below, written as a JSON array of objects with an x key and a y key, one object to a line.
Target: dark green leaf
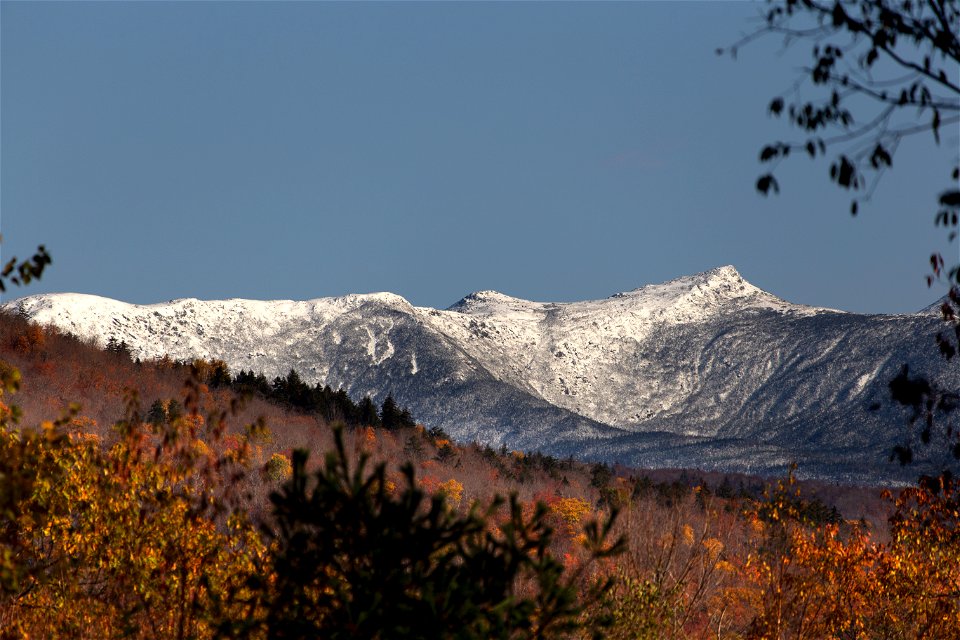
[
  {"x": 950, "y": 198},
  {"x": 767, "y": 182}
]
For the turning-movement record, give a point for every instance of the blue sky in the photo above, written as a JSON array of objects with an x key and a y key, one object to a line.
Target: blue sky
[{"x": 549, "y": 151}]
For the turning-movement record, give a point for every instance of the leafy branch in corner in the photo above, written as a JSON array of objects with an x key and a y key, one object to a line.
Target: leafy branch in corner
[
  {"x": 896, "y": 62},
  {"x": 26, "y": 271}
]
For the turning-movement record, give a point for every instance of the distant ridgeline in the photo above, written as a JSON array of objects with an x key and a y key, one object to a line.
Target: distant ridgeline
[{"x": 704, "y": 371}]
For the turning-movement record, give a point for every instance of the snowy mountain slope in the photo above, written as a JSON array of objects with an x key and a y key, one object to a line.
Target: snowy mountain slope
[
  {"x": 600, "y": 358},
  {"x": 705, "y": 370}
]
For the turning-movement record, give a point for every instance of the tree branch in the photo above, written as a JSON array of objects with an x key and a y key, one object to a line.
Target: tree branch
[
  {"x": 881, "y": 96},
  {"x": 912, "y": 65}
]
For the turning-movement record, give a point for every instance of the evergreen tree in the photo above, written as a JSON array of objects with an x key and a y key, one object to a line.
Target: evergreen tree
[
  {"x": 445, "y": 453},
  {"x": 413, "y": 448},
  {"x": 247, "y": 382},
  {"x": 367, "y": 413},
  {"x": 725, "y": 490},
  {"x": 278, "y": 390},
  {"x": 600, "y": 475},
  {"x": 354, "y": 561},
  {"x": 390, "y": 415},
  {"x": 220, "y": 376},
  {"x": 157, "y": 414},
  {"x": 344, "y": 408},
  {"x": 174, "y": 410}
]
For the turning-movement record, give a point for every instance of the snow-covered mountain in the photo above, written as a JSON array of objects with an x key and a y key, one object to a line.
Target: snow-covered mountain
[{"x": 703, "y": 371}]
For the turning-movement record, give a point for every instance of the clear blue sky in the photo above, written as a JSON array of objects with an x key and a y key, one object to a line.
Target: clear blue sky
[{"x": 549, "y": 151}]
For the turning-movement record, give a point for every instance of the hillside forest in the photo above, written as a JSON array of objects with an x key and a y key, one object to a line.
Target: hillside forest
[{"x": 161, "y": 499}]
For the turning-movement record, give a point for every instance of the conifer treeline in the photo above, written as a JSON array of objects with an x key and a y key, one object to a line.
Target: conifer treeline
[{"x": 292, "y": 392}]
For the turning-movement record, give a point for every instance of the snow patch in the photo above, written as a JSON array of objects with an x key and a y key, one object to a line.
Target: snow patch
[{"x": 387, "y": 351}]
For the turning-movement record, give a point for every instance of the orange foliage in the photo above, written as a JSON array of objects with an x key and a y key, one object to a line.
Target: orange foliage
[
  {"x": 430, "y": 484},
  {"x": 31, "y": 340},
  {"x": 82, "y": 423}
]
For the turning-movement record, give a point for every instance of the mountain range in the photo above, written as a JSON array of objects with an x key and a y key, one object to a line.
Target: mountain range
[{"x": 703, "y": 371}]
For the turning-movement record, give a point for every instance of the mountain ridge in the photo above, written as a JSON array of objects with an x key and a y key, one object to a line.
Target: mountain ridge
[{"x": 691, "y": 371}]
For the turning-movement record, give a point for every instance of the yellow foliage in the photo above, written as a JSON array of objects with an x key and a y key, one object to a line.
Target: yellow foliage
[
  {"x": 104, "y": 540},
  {"x": 725, "y": 566},
  {"x": 452, "y": 490},
  {"x": 714, "y": 547},
  {"x": 571, "y": 512},
  {"x": 199, "y": 448},
  {"x": 278, "y": 467}
]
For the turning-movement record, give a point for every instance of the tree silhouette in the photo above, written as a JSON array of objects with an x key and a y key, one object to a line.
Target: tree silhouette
[
  {"x": 896, "y": 63},
  {"x": 390, "y": 413},
  {"x": 880, "y": 71},
  {"x": 25, "y": 271}
]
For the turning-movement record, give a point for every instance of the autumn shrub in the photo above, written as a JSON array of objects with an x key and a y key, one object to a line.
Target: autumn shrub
[
  {"x": 827, "y": 580},
  {"x": 278, "y": 468}
]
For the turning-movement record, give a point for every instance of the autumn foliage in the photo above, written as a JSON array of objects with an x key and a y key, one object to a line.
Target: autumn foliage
[{"x": 158, "y": 509}]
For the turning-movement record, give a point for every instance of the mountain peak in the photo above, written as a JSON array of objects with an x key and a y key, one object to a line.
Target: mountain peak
[
  {"x": 726, "y": 275},
  {"x": 709, "y": 291},
  {"x": 727, "y": 272},
  {"x": 484, "y": 298},
  {"x": 725, "y": 281}
]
